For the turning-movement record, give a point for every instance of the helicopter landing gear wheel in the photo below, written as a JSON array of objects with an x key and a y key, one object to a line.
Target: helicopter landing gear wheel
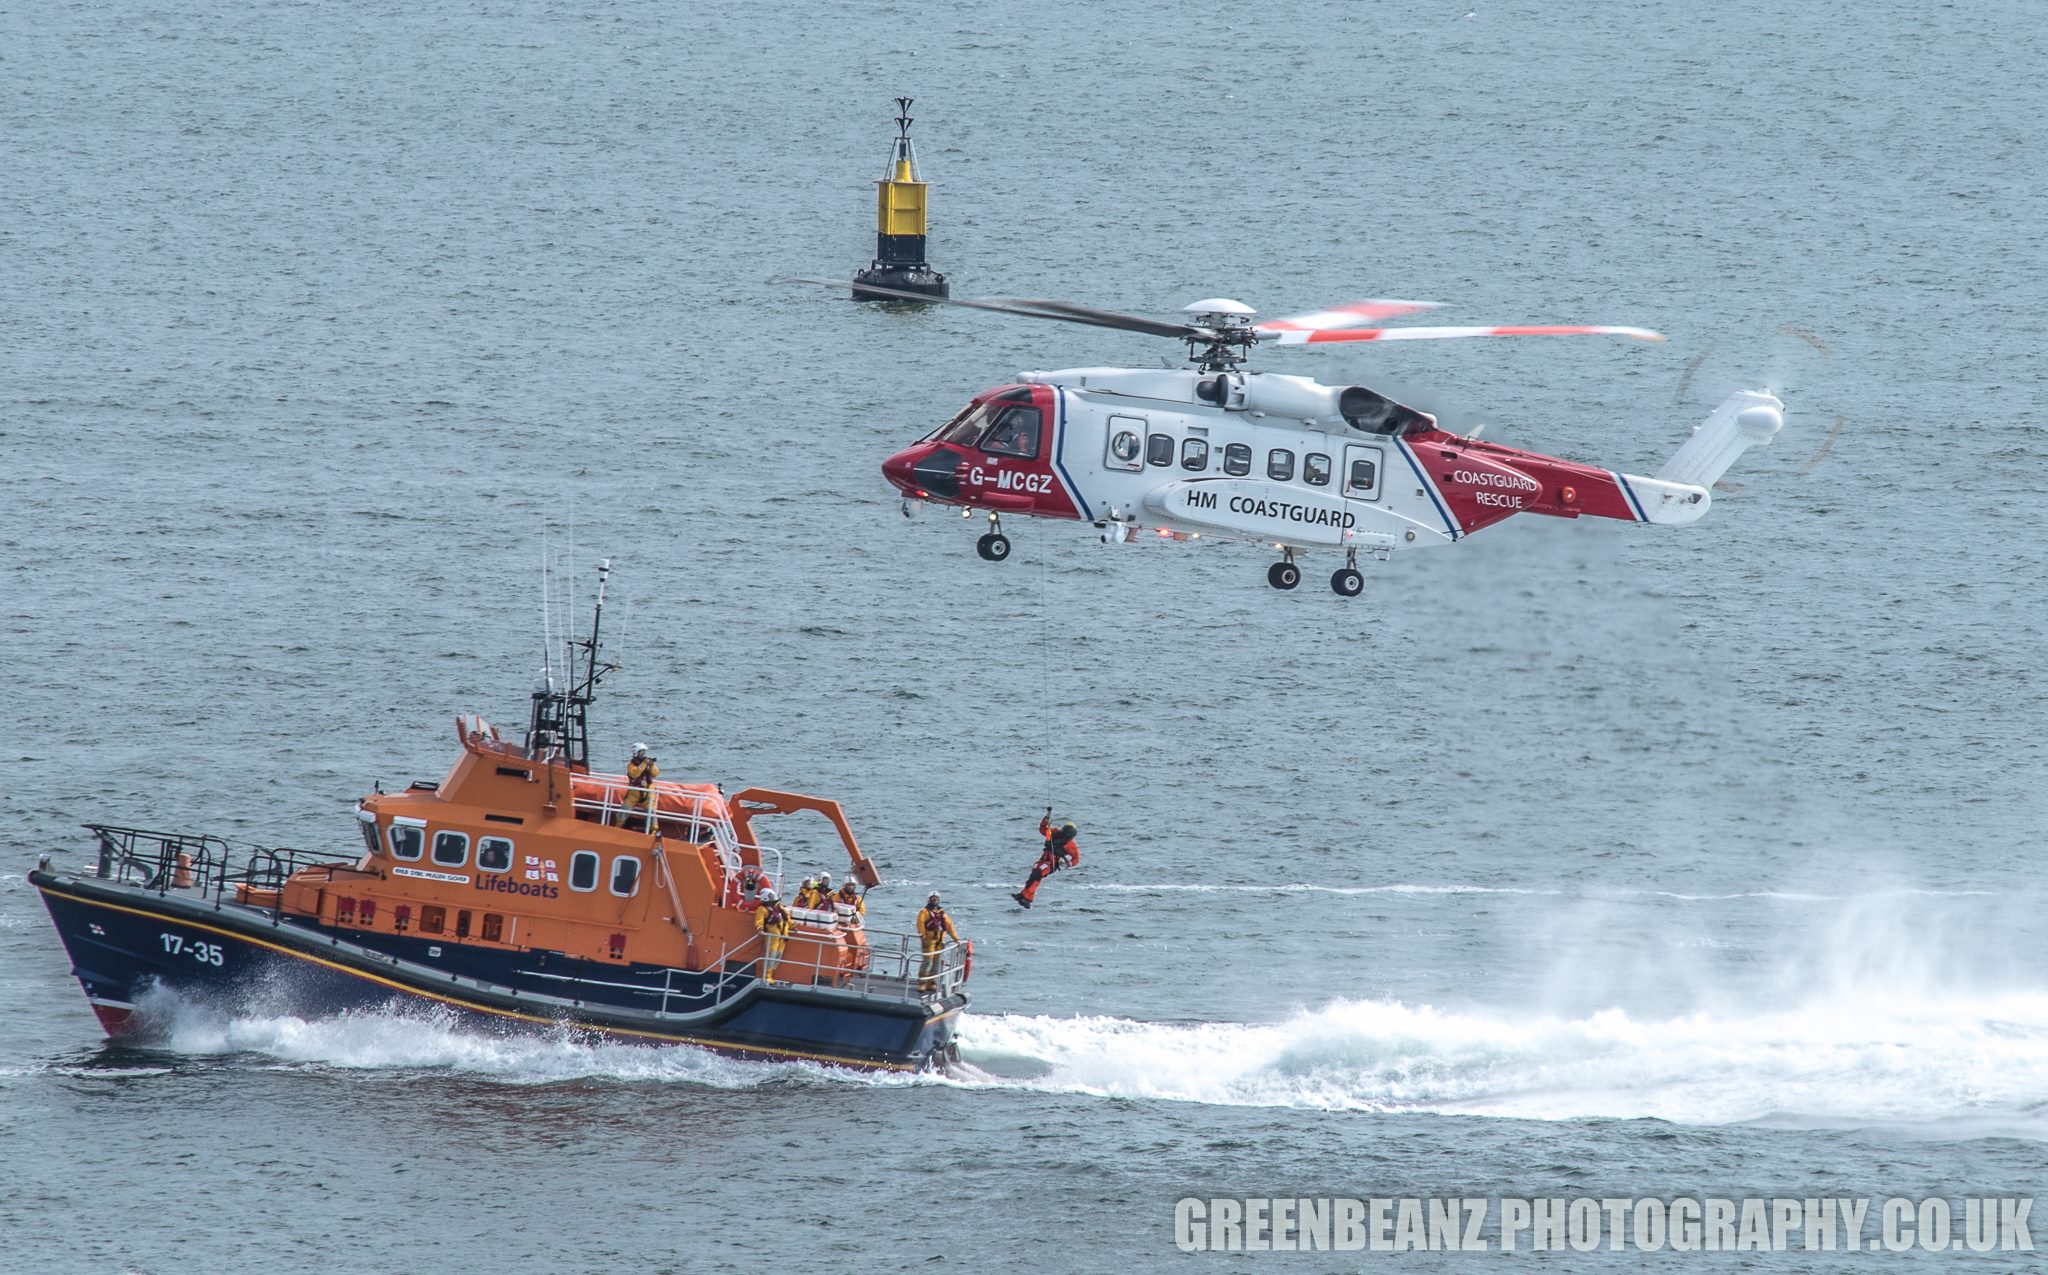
[
  {"x": 1283, "y": 575},
  {"x": 1347, "y": 582},
  {"x": 993, "y": 547}
]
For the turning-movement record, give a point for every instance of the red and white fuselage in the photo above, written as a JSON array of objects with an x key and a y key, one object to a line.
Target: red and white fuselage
[{"x": 1283, "y": 460}]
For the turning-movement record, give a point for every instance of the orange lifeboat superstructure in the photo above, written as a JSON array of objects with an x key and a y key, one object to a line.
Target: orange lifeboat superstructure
[{"x": 525, "y": 886}]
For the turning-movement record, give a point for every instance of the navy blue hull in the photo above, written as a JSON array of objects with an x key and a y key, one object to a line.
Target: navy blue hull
[{"x": 124, "y": 940}]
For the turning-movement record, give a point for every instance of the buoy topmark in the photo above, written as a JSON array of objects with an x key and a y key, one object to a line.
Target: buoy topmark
[{"x": 899, "y": 225}]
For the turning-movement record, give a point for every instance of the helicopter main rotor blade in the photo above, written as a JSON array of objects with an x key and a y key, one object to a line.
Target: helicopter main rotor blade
[
  {"x": 1105, "y": 318},
  {"x": 1451, "y": 334},
  {"x": 1344, "y": 316},
  {"x": 1055, "y": 310}
]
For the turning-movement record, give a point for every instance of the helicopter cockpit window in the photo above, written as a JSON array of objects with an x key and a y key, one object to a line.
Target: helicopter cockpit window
[
  {"x": 1315, "y": 469},
  {"x": 1280, "y": 465},
  {"x": 1015, "y": 433},
  {"x": 1159, "y": 449},
  {"x": 968, "y": 425},
  {"x": 1237, "y": 460},
  {"x": 1194, "y": 454}
]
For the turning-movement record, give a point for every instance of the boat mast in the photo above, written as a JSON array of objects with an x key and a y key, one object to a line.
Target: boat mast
[{"x": 559, "y": 722}]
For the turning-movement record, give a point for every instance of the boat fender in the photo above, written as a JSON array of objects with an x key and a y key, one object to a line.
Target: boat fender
[
  {"x": 967, "y": 963},
  {"x": 182, "y": 876}
]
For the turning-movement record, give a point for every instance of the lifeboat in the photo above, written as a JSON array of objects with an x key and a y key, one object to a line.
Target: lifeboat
[{"x": 522, "y": 888}]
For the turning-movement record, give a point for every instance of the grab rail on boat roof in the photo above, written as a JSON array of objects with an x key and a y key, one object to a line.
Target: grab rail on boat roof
[{"x": 201, "y": 863}]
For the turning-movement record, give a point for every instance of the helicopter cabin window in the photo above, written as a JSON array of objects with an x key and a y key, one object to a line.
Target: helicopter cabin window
[
  {"x": 1194, "y": 454},
  {"x": 625, "y": 875},
  {"x": 1015, "y": 433},
  {"x": 583, "y": 870},
  {"x": 451, "y": 849},
  {"x": 1315, "y": 469},
  {"x": 1237, "y": 460},
  {"x": 1280, "y": 465},
  {"x": 1159, "y": 449},
  {"x": 407, "y": 839},
  {"x": 1363, "y": 476},
  {"x": 493, "y": 854},
  {"x": 1126, "y": 445},
  {"x": 968, "y": 425}
]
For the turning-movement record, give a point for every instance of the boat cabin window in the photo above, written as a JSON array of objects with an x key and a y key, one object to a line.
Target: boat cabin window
[
  {"x": 493, "y": 854},
  {"x": 369, "y": 827},
  {"x": 1237, "y": 460},
  {"x": 1015, "y": 433},
  {"x": 494, "y": 928},
  {"x": 1159, "y": 449},
  {"x": 1315, "y": 469},
  {"x": 1194, "y": 454},
  {"x": 451, "y": 849},
  {"x": 433, "y": 918},
  {"x": 583, "y": 870},
  {"x": 1280, "y": 465},
  {"x": 407, "y": 839},
  {"x": 625, "y": 875},
  {"x": 462, "y": 924}
]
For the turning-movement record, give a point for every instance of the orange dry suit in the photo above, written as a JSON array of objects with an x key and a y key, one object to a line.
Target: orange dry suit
[
  {"x": 772, "y": 920},
  {"x": 1062, "y": 850}
]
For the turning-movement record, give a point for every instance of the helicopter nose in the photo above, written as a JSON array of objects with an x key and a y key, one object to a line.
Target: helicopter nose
[{"x": 897, "y": 470}]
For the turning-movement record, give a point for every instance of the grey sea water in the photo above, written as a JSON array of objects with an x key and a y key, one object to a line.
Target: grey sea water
[{"x": 1574, "y": 861}]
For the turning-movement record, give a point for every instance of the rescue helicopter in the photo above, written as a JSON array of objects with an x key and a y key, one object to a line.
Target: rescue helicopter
[{"x": 1222, "y": 452}]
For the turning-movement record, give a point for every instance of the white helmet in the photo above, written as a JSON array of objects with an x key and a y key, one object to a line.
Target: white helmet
[
  {"x": 639, "y": 749},
  {"x": 934, "y": 897},
  {"x": 824, "y": 880},
  {"x": 768, "y": 894}
]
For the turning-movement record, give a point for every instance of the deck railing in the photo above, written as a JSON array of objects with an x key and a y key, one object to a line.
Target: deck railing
[{"x": 209, "y": 866}]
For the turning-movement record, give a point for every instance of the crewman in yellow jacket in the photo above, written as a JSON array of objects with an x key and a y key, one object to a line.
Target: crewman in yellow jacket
[
  {"x": 852, "y": 908},
  {"x": 934, "y": 930},
  {"x": 640, "y": 775},
  {"x": 772, "y": 920},
  {"x": 809, "y": 896}
]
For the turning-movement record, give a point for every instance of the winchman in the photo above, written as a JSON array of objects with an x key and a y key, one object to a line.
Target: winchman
[
  {"x": 934, "y": 931},
  {"x": 772, "y": 920},
  {"x": 1061, "y": 851},
  {"x": 640, "y": 774}
]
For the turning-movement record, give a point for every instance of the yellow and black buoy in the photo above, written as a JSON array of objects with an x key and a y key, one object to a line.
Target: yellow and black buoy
[{"x": 899, "y": 226}]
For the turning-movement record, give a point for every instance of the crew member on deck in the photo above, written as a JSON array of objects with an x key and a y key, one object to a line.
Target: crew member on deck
[
  {"x": 850, "y": 906},
  {"x": 772, "y": 920},
  {"x": 640, "y": 774},
  {"x": 1061, "y": 851},
  {"x": 809, "y": 896},
  {"x": 934, "y": 930}
]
